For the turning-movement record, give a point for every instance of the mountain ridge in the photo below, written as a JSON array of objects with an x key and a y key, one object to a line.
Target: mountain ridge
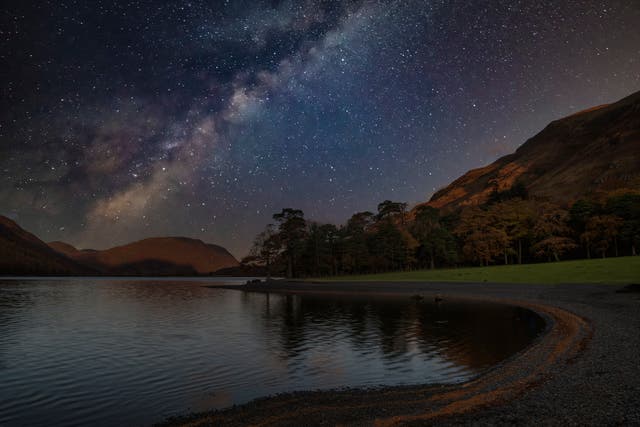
[
  {"x": 188, "y": 255},
  {"x": 593, "y": 150},
  {"x": 21, "y": 252}
]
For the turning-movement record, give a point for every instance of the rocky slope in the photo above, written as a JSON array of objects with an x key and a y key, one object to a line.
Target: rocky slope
[{"x": 592, "y": 151}]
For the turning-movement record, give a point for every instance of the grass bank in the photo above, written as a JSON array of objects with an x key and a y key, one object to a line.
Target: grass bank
[{"x": 610, "y": 270}]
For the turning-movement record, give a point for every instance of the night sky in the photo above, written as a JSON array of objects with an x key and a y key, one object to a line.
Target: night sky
[{"x": 129, "y": 119}]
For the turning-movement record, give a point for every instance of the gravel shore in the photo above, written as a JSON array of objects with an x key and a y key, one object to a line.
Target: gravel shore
[{"x": 585, "y": 370}]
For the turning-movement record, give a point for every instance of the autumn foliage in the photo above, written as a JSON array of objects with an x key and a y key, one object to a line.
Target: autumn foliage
[{"x": 509, "y": 229}]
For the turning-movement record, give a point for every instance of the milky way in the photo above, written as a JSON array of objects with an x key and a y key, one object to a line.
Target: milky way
[{"x": 123, "y": 120}]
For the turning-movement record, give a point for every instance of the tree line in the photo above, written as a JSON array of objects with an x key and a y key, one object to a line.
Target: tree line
[{"x": 510, "y": 228}]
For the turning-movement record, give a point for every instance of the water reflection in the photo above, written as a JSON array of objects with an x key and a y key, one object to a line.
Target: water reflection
[
  {"x": 100, "y": 352},
  {"x": 474, "y": 335}
]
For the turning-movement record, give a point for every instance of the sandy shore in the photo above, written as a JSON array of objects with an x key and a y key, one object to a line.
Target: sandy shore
[{"x": 585, "y": 370}]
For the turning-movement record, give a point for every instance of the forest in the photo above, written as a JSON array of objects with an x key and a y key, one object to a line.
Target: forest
[{"x": 510, "y": 228}]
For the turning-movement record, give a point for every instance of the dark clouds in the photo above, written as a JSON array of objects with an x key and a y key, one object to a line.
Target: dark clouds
[{"x": 126, "y": 120}]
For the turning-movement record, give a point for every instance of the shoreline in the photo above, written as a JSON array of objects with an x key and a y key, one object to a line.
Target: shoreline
[{"x": 564, "y": 376}]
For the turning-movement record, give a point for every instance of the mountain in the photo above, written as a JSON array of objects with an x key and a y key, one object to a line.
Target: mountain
[
  {"x": 22, "y": 253},
  {"x": 589, "y": 152},
  {"x": 154, "y": 256},
  {"x": 64, "y": 248}
]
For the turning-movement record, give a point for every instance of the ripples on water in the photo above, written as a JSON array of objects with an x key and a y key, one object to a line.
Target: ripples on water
[{"x": 133, "y": 352}]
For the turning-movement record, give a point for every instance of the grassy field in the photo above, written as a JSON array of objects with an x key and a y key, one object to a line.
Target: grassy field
[{"x": 610, "y": 270}]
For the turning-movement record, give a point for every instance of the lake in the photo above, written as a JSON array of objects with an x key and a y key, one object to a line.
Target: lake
[{"x": 135, "y": 351}]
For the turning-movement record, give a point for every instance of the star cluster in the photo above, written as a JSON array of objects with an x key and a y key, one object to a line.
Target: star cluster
[{"x": 122, "y": 120}]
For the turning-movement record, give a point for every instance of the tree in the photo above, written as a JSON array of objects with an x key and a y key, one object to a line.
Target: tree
[
  {"x": 483, "y": 246},
  {"x": 390, "y": 246},
  {"x": 482, "y": 240},
  {"x": 321, "y": 249},
  {"x": 551, "y": 231},
  {"x": 553, "y": 246},
  {"x": 292, "y": 231},
  {"x": 515, "y": 217},
  {"x": 398, "y": 244},
  {"x": 434, "y": 239},
  {"x": 389, "y": 209},
  {"x": 601, "y": 231},
  {"x": 360, "y": 222},
  {"x": 265, "y": 248},
  {"x": 579, "y": 214},
  {"x": 355, "y": 256},
  {"x": 423, "y": 228},
  {"x": 626, "y": 206}
]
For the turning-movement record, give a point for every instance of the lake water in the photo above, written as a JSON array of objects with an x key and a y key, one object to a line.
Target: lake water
[{"x": 134, "y": 352}]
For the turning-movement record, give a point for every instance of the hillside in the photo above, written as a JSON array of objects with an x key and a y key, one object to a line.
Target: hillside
[
  {"x": 588, "y": 152},
  {"x": 22, "y": 253},
  {"x": 154, "y": 256}
]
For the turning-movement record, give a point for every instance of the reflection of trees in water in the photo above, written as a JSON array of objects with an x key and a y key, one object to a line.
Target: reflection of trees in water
[
  {"x": 478, "y": 335},
  {"x": 391, "y": 321},
  {"x": 475, "y": 335}
]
